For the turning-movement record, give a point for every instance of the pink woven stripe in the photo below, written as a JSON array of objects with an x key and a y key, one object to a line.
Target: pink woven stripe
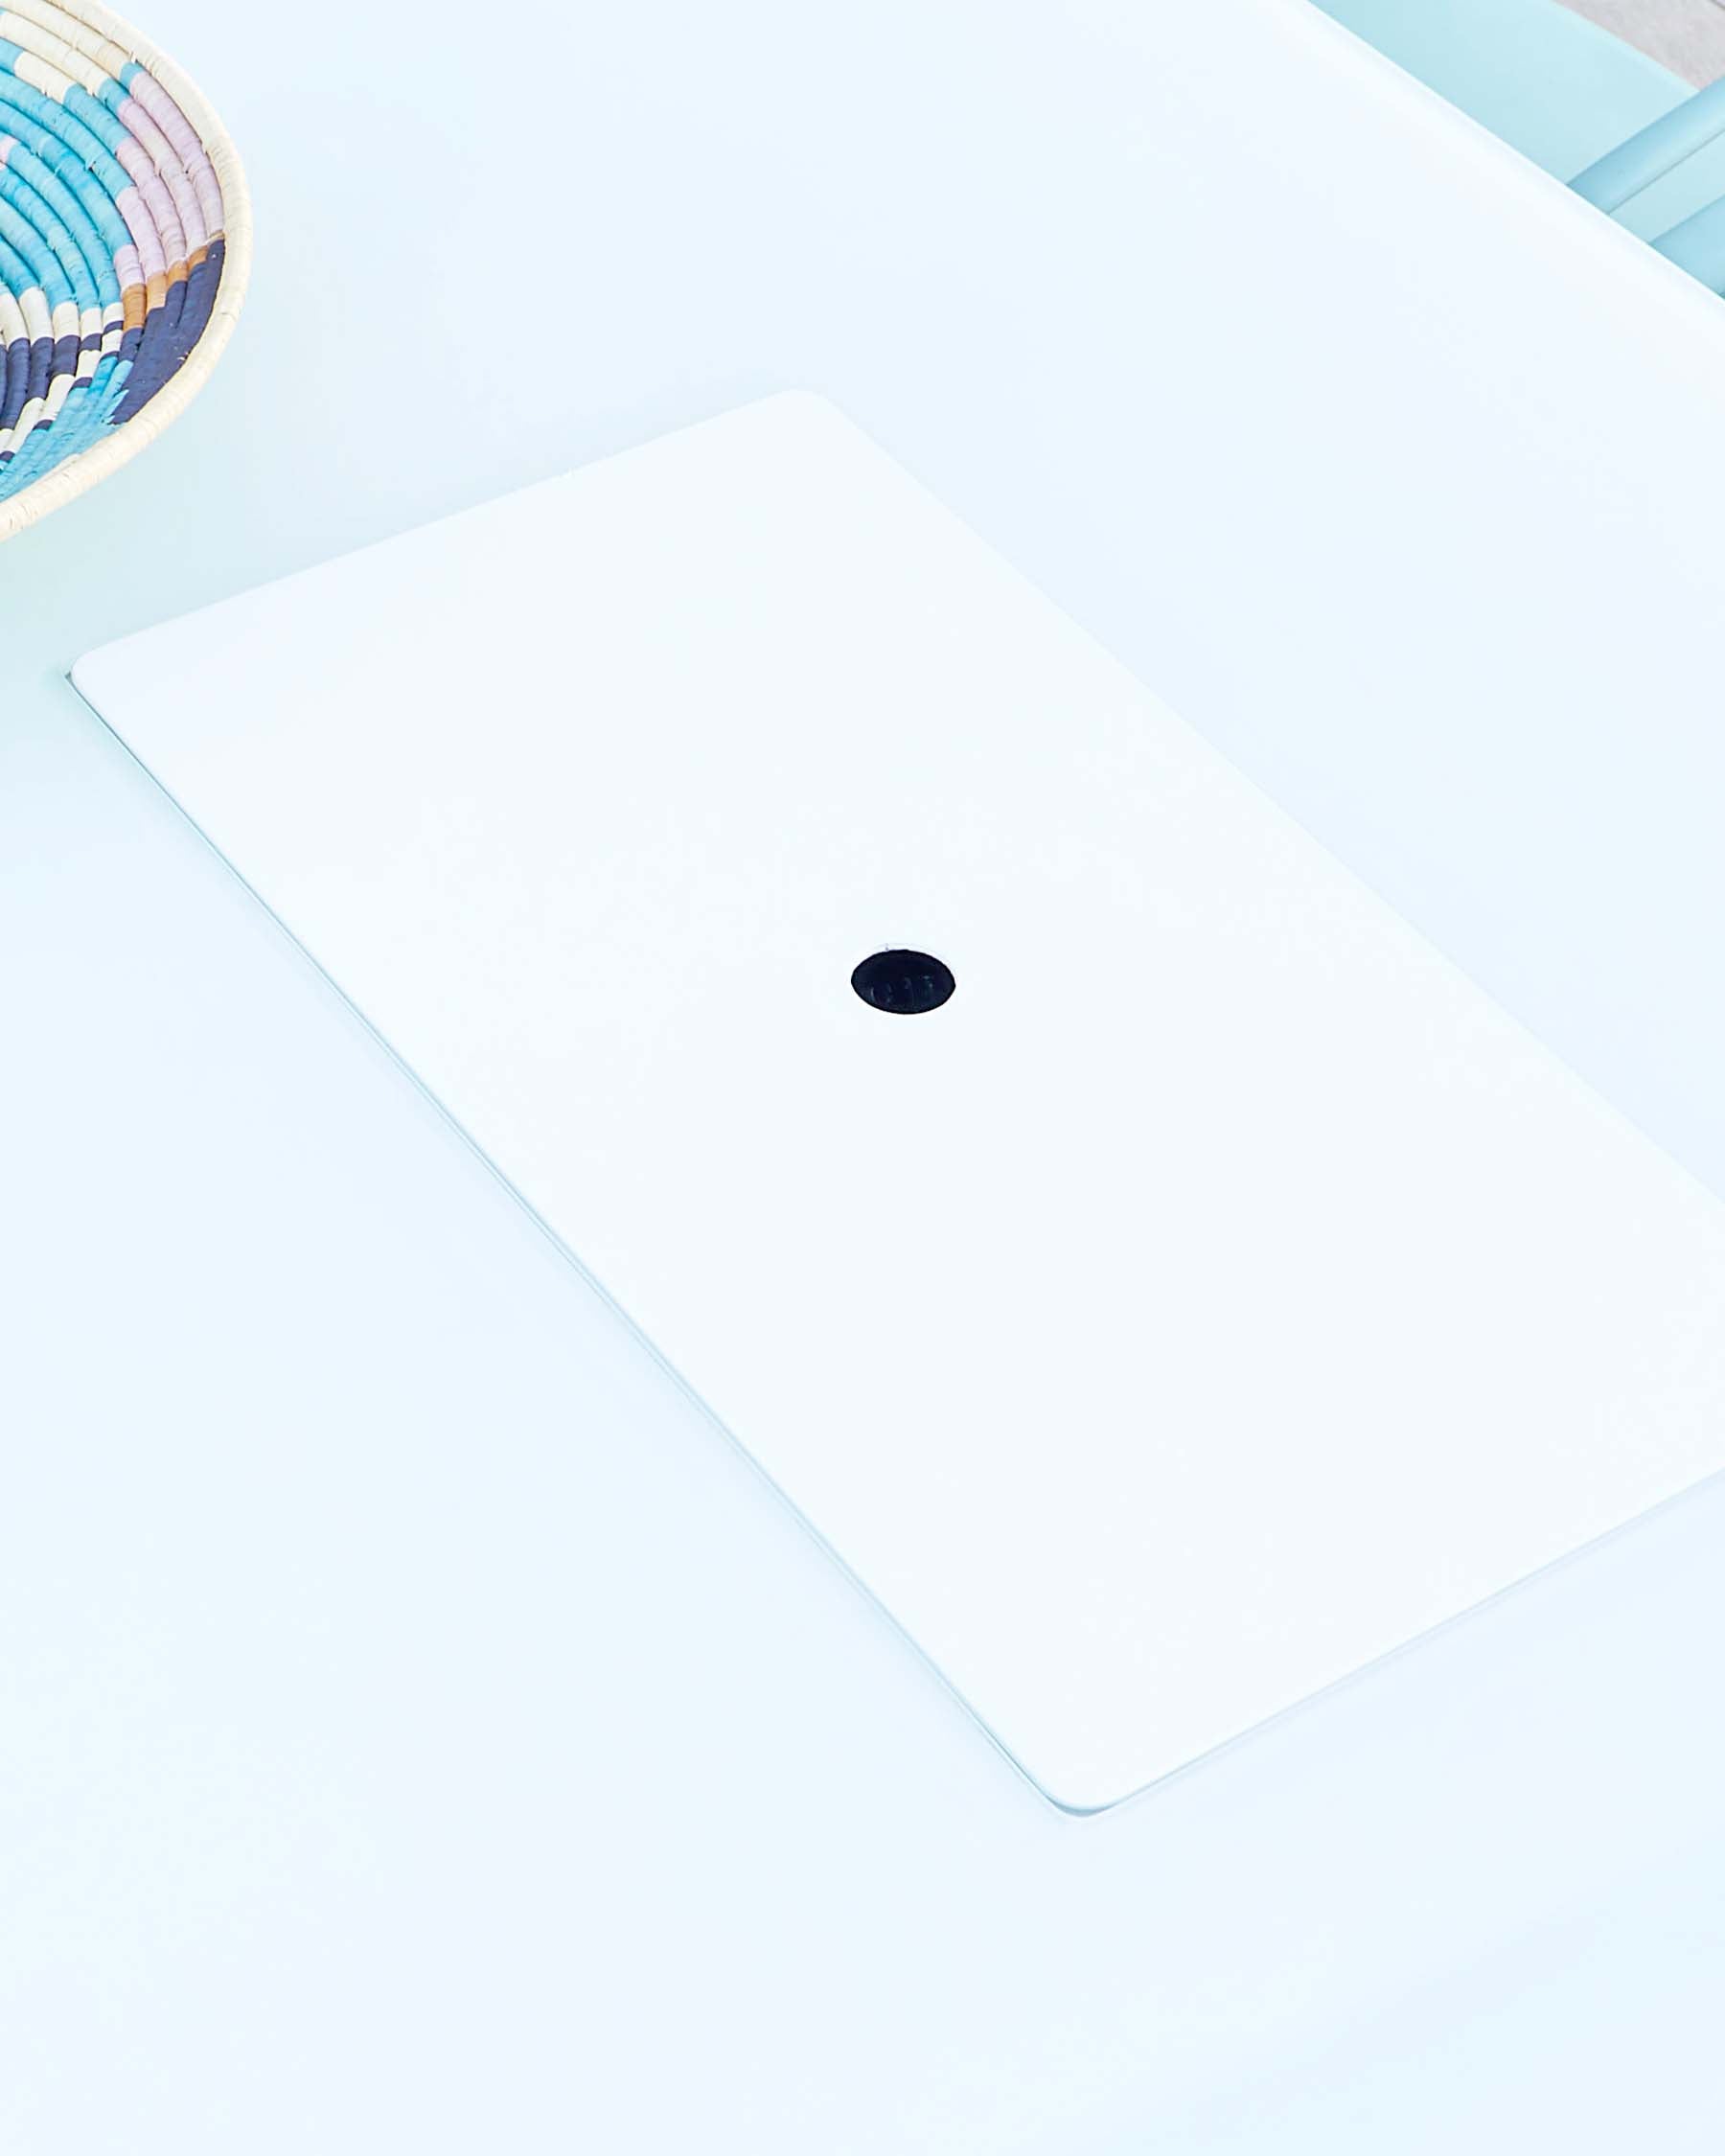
[
  {"x": 148, "y": 181},
  {"x": 188, "y": 215},
  {"x": 135, "y": 210},
  {"x": 148, "y": 92}
]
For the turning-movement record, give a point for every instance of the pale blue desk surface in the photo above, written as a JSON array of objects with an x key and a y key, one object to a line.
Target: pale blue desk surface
[{"x": 420, "y": 1733}]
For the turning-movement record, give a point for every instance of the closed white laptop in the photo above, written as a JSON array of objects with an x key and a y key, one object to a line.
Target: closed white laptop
[{"x": 1161, "y": 1278}]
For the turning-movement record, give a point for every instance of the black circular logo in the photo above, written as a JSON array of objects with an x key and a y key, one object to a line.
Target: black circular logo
[{"x": 905, "y": 981}]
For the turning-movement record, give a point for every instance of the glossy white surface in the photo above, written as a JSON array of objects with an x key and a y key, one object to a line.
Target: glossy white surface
[
  {"x": 341, "y": 1540},
  {"x": 1214, "y": 1294}
]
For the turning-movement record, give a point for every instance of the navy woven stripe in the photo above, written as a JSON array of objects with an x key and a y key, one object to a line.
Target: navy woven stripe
[
  {"x": 17, "y": 379},
  {"x": 170, "y": 333},
  {"x": 41, "y": 358}
]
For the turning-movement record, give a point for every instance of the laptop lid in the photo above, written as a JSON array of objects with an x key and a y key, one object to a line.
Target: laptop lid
[{"x": 1159, "y": 1276}]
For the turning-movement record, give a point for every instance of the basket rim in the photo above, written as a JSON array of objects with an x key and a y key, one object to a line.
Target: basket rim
[{"x": 87, "y": 467}]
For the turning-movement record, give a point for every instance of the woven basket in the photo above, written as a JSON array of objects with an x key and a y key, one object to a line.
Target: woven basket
[{"x": 125, "y": 246}]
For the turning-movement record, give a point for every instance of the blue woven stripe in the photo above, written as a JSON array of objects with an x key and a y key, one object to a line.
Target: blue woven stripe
[
  {"x": 89, "y": 409},
  {"x": 35, "y": 214},
  {"x": 29, "y": 242},
  {"x": 96, "y": 248},
  {"x": 86, "y": 151},
  {"x": 110, "y": 94},
  {"x": 65, "y": 150},
  {"x": 95, "y": 115},
  {"x": 15, "y": 271}
]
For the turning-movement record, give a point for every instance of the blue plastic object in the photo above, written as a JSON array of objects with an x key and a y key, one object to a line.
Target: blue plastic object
[
  {"x": 1570, "y": 96},
  {"x": 1698, "y": 245},
  {"x": 1660, "y": 148}
]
